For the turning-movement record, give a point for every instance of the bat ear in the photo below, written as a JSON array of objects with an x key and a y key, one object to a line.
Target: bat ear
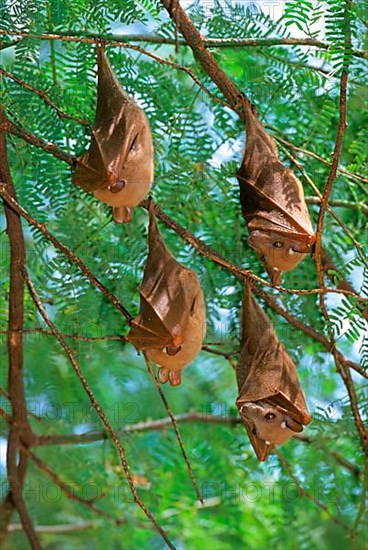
[
  {"x": 293, "y": 425},
  {"x": 163, "y": 375}
]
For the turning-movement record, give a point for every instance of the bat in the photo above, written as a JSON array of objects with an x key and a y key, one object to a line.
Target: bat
[
  {"x": 271, "y": 402},
  {"x": 171, "y": 323},
  {"x": 272, "y": 201},
  {"x": 118, "y": 166}
]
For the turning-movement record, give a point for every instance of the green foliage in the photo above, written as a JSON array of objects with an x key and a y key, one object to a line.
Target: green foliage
[{"x": 198, "y": 147}]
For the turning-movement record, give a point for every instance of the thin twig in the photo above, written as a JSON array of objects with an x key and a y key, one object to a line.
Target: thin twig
[
  {"x": 317, "y": 157},
  {"x": 175, "y": 426},
  {"x": 340, "y": 203},
  {"x": 121, "y": 40},
  {"x": 163, "y": 423},
  {"x": 119, "y": 43}
]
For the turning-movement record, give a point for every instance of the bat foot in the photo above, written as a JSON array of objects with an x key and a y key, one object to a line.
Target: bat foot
[
  {"x": 175, "y": 378},
  {"x": 122, "y": 214}
]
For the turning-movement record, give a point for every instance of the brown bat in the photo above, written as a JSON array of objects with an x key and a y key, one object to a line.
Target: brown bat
[
  {"x": 271, "y": 402},
  {"x": 273, "y": 204},
  {"x": 171, "y": 324},
  {"x": 118, "y": 166}
]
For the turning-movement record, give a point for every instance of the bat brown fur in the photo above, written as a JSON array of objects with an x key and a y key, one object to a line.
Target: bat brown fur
[
  {"x": 271, "y": 402},
  {"x": 273, "y": 204},
  {"x": 118, "y": 166},
  {"x": 171, "y": 323}
]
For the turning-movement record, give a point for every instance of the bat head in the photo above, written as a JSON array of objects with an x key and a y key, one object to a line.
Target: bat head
[
  {"x": 278, "y": 252},
  {"x": 269, "y": 423}
]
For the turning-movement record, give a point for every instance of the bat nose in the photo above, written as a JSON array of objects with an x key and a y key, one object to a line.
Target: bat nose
[{"x": 301, "y": 248}]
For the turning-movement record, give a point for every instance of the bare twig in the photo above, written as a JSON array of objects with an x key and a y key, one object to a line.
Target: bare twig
[
  {"x": 121, "y": 40},
  {"x": 227, "y": 356},
  {"x": 56, "y": 529},
  {"x": 163, "y": 423},
  {"x": 175, "y": 426},
  {"x": 95, "y": 404}
]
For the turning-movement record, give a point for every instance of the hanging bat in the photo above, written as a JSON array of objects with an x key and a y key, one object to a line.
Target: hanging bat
[
  {"x": 272, "y": 201},
  {"x": 118, "y": 166},
  {"x": 270, "y": 401},
  {"x": 171, "y": 323}
]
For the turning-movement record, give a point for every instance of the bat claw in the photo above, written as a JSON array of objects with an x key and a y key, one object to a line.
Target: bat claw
[{"x": 175, "y": 377}]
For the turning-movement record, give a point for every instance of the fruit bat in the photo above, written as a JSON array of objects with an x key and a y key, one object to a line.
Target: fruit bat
[
  {"x": 272, "y": 201},
  {"x": 118, "y": 166},
  {"x": 271, "y": 402},
  {"x": 171, "y": 323}
]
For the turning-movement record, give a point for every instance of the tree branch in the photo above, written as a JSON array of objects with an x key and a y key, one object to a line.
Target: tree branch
[
  {"x": 20, "y": 430},
  {"x": 163, "y": 423},
  {"x": 175, "y": 426},
  {"x": 215, "y": 43}
]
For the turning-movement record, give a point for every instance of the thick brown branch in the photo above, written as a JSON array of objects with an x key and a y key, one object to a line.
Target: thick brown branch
[
  {"x": 197, "y": 43},
  {"x": 20, "y": 429}
]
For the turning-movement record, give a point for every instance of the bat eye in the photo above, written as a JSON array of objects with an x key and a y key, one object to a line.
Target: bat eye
[
  {"x": 173, "y": 351},
  {"x": 117, "y": 187},
  {"x": 263, "y": 258},
  {"x": 278, "y": 244},
  {"x": 270, "y": 416},
  {"x": 134, "y": 145}
]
